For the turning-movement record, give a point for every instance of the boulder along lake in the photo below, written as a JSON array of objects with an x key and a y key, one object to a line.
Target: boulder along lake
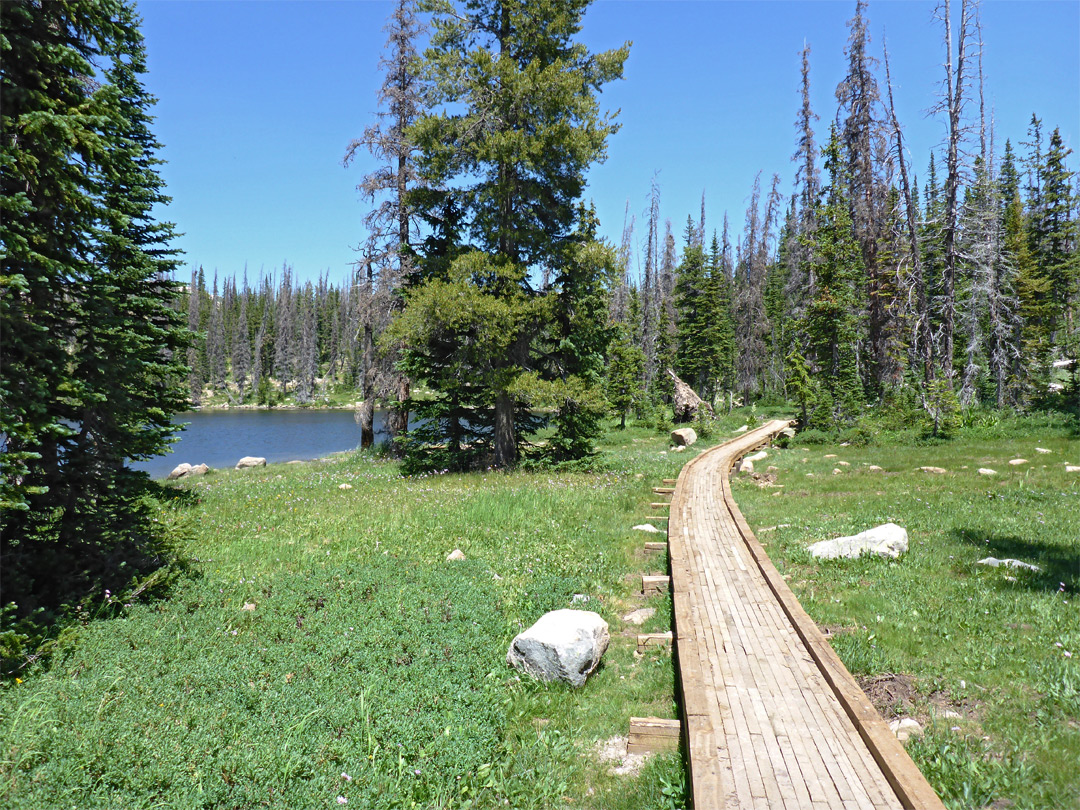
[{"x": 220, "y": 438}]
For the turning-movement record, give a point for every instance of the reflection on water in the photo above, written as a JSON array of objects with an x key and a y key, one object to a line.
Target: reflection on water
[{"x": 221, "y": 438}]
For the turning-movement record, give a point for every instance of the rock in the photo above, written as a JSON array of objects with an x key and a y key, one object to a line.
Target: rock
[
  {"x": 875, "y": 468},
  {"x": 564, "y": 645},
  {"x": 746, "y": 467},
  {"x": 758, "y": 456},
  {"x": 456, "y": 554},
  {"x": 830, "y": 455},
  {"x": 844, "y": 463},
  {"x": 888, "y": 540},
  {"x": 789, "y": 432},
  {"x": 294, "y": 461},
  {"x": 994, "y": 562},
  {"x": 683, "y": 437},
  {"x": 934, "y": 470},
  {"x": 836, "y": 471},
  {"x": 743, "y": 429},
  {"x": 1071, "y": 468},
  {"x": 951, "y": 715},
  {"x": 179, "y": 471},
  {"x": 639, "y": 476},
  {"x": 199, "y": 469},
  {"x": 1016, "y": 462},
  {"x": 687, "y": 404},
  {"x": 648, "y": 527},
  {"x": 986, "y": 471},
  {"x": 679, "y": 449},
  {"x": 344, "y": 486},
  {"x": 251, "y": 461},
  {"x": 771, "y": 468},
  {"x": 905, "y": 727},
  {"x": 639, "y": 616},
  {"x": 248, "y": 606},
  {"x": 1042, "y": 450}
]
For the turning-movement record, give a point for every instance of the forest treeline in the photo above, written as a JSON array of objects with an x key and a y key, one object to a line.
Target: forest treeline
[{"x": 868, "y": 284}]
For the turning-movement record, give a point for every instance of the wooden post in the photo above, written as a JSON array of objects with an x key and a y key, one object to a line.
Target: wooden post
[
  {"x": 651, "y": 585},
  {"x": 651, "y": 734}
]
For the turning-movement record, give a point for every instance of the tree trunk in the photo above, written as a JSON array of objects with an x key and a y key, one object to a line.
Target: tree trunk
[
  {"x": 397, "y": 420},
  {"x": 367, "y": 407},
  {"x": 505, "y": 441}
]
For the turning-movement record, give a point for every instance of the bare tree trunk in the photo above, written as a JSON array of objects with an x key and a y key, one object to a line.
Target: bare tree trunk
[
  {"x": 954, "y": 101},
  {"x": 921, "y": 330},
  {"x": 505, "y": 442},
  {"x": 367, "y": 383}
]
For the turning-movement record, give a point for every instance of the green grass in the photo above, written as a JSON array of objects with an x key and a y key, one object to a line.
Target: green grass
[
  {"x": 322, "y": 632},
  {"x": 366, "y": 654},
  {"x": 990, "y": 644}
]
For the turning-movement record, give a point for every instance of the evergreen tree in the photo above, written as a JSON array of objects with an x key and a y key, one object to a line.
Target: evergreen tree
[
  {"x": 831, "y": 326},
  {"x": 93, "y": 338},
  {"x": 625, "y": 372},
  {"x": 520, "y": 126}
]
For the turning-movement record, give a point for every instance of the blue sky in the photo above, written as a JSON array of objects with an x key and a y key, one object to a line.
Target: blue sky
[{"x": 257, "y": 101}]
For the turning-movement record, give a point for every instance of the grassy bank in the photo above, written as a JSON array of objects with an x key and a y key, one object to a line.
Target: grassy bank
[
  {"x": 933, "y": 632},
  {"x": 323, "y": 647}
]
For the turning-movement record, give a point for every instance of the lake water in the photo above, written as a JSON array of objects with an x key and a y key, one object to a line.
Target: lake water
[{"x": 221, "y": 438}]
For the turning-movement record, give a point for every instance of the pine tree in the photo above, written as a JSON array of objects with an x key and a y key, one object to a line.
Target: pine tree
[
  {"x": 93, "y": 338},
  {"x": 520, "y": 126},
  {"x": 831, "y": 326}
]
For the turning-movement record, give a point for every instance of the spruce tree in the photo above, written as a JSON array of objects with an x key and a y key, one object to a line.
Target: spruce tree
[
  {"x": 520, "y": 125},
  {"x": 93, "y": 339}
]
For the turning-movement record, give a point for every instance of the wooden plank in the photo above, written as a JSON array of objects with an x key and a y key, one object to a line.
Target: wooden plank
[
  {"x": 653, "y": 641},
  {"x": 660, "y": 505},
  {"x": 765, "y": 726},
  {"x": 663, "y": 490},
  {"x": 652, "y": 585},
  {"x": 656, "y": 545},
  {"x": 651, "y": 734}
]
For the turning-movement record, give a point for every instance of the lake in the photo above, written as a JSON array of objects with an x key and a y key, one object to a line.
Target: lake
[{"x": 221, "y": 438}]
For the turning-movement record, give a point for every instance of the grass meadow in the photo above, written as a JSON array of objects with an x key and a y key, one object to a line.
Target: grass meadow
[{"x": 321, "y": 651}]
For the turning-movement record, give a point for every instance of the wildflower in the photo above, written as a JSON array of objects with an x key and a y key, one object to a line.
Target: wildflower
[
  {"x": 346, "y": 777},
  {"x": 342, "y": 800}
]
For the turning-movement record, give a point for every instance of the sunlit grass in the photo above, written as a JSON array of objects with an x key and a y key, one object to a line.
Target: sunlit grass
[{"x": 324, "y": 647}]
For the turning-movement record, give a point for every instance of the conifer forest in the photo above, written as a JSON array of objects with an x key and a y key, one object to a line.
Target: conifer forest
[{"x": 924, "y": 286}]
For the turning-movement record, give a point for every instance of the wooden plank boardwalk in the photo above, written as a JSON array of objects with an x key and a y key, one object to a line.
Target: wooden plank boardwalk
[{"x": 772, "y": 718}]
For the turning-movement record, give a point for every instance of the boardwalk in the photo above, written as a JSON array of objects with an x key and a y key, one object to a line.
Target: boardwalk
[{"x": 773, "y": 719}]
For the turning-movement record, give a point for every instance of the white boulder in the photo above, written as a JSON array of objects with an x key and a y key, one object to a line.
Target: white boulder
[
  {"x": 934, "y": 470},
  {"x": 648, "y": 527},
  {"x": 758, "y": 456},
  {"x": 456, "y": 554},
  {"x": 905, "y": 727},
  {"x": 987, "y": 471},
  {"x": 887, "y": 540},
  {"x": 994, "y": 562},
  {"x": 250, "y": 461},
  {"x": 1016, "y": 462},
  {"x": 564, "y": 645},
  {"x": 639, "y": 616},
  {"x": 746, "y": 467},
  {"x": 683, "y": 437},
  {"x": 179, "y": 471}
]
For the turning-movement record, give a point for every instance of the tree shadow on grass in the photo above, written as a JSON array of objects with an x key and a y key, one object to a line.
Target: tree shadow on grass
[
  {"x": 58, "y": 574},
  {"x": 1057, "y": 564}
]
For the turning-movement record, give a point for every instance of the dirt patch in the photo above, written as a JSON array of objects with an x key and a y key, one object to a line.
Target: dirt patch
[
  {"x": 892, "y": 695},
  {"x": 612, "y": 752}
]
